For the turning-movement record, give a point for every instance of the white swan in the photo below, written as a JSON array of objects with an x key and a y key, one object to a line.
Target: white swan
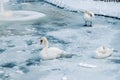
[
  {"x": 50, "y": 53},
  {"x": 88, "y": 17},
  {"x": 103, "y": 52}
]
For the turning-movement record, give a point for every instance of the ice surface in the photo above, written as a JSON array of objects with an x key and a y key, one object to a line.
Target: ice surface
[
  {"x": 110, "y": 8},
  {"x": 19, "y": 49}
]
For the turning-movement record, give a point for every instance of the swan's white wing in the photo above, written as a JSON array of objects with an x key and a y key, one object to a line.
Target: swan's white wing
[
  {"x": 54, "y": 52},
  {"x": 100, "y": 54}
]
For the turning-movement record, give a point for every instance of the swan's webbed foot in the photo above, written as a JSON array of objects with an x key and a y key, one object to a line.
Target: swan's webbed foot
[
  {"x": 85, "y": 23},
  {"x": 90, "y": 25}
]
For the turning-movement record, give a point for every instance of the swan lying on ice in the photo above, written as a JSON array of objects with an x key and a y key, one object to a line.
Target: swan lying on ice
[
  {"x": 50, "y": 52},
  {"x": 103, "y": 52},
  {"x": 88, "y": 17}
]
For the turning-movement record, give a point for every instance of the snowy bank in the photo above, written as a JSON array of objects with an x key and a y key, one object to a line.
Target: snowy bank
[{"x": 98, "y": 7}]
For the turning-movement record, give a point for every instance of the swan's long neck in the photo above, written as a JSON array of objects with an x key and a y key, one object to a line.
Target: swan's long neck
[
  {"x": 103, "y": 48},
  {"x": 46, "y": 44}
]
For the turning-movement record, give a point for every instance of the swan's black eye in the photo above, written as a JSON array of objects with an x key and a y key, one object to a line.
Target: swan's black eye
[{"x": 41, "y": 41}]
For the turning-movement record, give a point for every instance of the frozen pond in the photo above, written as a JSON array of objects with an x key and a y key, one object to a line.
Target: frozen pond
[{"x": 19, "y": 49}]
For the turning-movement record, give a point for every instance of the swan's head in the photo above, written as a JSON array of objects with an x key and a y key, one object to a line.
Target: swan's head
[
  {"x": 103, "y": 47},
  {"x": 42, "y": 40},
  {"x": 88, "y": 12}
]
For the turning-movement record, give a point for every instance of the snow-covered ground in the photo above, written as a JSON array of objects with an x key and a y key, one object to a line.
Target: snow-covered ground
[{"x": 98, "y": 7}]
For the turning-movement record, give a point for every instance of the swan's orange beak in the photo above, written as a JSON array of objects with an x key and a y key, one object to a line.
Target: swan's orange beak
[{"x": 41, "y": 41}]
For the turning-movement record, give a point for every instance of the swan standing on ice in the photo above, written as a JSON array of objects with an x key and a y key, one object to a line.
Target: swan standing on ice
[
  {"x": 103, "y": 52},
  {"x": 49, "y": 53},
  {"x": 88, "y": 17}
]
